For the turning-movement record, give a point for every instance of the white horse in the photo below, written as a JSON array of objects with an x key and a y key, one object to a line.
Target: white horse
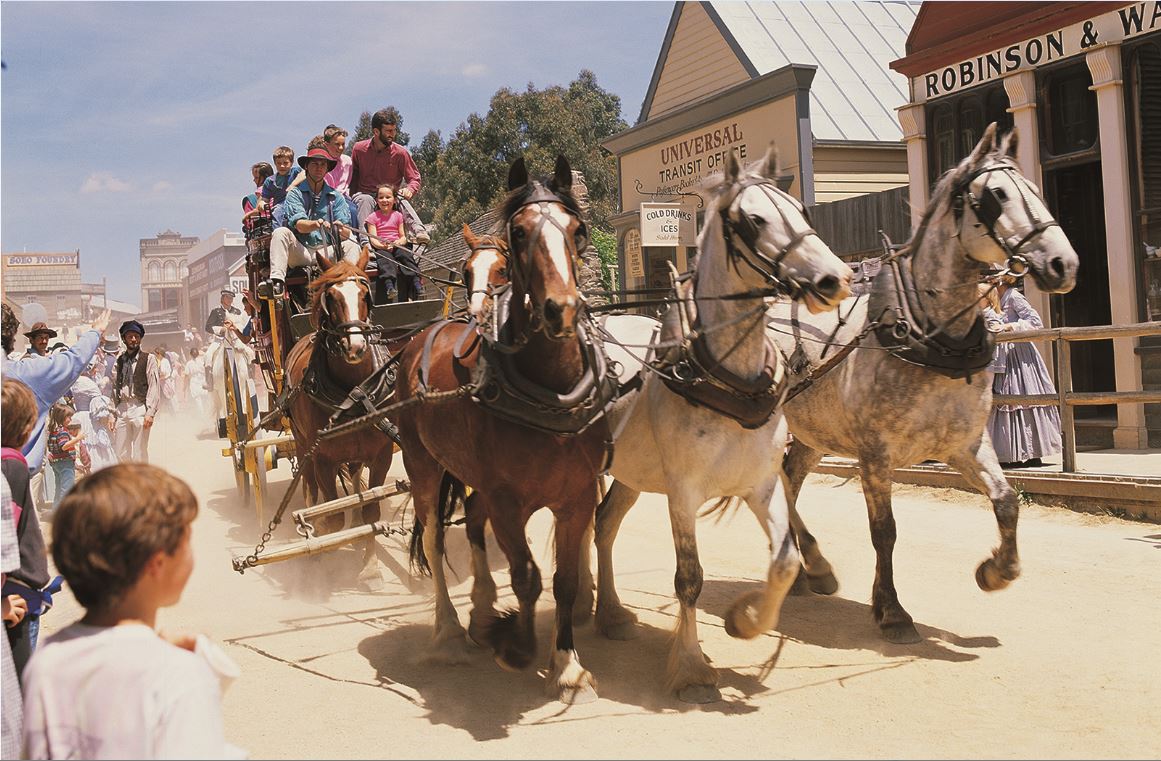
[
  {"x": 891, "y": 413},
  {"x": 756, "y": 241}
]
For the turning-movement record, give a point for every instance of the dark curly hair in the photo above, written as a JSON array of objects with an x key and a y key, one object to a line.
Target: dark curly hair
[{"x": 111, "y": 523}]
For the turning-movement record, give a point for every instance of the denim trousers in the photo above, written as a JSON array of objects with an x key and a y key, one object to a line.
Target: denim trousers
[{"x": 65, "y": 472}]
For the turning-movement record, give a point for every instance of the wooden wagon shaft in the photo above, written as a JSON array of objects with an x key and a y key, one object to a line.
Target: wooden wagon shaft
[
  {"x": 306, "y": 514},
  {"x": 269, "y": 441},
  {"x": 315, "y": 545},
  {"x": 1078, "y": 399}
]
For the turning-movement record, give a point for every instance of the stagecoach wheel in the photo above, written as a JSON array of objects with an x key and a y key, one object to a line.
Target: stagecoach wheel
[
  {"x": 255, "y": 459},
  {"x": 237, "y": 425}
]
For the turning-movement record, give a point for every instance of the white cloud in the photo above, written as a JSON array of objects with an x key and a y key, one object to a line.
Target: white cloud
[
  {"x": 104, "y": 181},
  {"x": 474, "y": 70},
  {"x": 162, "y": 186}
]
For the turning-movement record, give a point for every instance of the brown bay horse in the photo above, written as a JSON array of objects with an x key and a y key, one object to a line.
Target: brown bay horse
[
  {"x": 514, "y": 469},
  {"x": 322, "y": 368}
]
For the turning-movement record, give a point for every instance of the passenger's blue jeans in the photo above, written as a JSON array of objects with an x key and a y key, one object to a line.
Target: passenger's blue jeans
[{"x": 66, "y": 474}]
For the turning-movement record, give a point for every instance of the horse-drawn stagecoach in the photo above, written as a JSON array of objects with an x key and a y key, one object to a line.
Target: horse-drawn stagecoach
[
  {"x": 526, "y": 402},
  {"x": 260, "y": 425}
]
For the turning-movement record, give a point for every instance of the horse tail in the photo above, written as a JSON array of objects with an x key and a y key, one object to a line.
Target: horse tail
[
  {"x": 721, "y": 508},
  {"x": 451, "y": 491}
]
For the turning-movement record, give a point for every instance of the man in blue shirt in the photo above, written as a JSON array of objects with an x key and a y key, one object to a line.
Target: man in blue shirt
[
  {"x": 48, "y": 377},
  {"x": 313, "y": 210}
]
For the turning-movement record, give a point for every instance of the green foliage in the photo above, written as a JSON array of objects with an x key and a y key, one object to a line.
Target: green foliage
[
  {"x": 606, "y": 245},
  {"x": 468, "y": 174}
]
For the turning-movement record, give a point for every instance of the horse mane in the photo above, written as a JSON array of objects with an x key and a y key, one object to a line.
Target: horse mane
[
  {"x": 340, "y": 270},
  {"x": 941, "y": 193}
]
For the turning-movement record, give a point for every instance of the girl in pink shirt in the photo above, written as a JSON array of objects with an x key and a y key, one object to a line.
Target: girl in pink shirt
[{"x": 385, "y": 231}]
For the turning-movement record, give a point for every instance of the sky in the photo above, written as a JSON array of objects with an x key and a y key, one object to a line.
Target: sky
[{"x": 119, "y": 121}]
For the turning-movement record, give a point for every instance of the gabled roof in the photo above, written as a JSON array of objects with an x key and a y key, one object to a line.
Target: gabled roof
[{"x": 854, "y": 93}]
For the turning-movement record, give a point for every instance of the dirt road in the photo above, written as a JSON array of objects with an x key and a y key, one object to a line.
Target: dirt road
[{"x": 1064, "y": 663}]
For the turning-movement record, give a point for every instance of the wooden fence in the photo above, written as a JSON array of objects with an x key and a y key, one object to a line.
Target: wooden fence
[
  {"x": 1065, "y": 397},
  {"x": 851, "y": 226}
]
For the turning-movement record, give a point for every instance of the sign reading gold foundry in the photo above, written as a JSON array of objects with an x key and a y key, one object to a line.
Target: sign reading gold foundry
[{"x": 667, "y": 224}]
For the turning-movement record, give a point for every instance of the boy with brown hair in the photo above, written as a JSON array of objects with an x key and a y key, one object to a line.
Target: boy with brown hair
[
  {"x": 274, "y": 187},
  {"x": 111, "y": 685}
]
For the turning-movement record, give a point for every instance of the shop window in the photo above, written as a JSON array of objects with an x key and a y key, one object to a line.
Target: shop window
[
  {"x": 1069, "y": 117},
  {"x": 955, "y": 124},
  {"x": 1143, "y": 99}
]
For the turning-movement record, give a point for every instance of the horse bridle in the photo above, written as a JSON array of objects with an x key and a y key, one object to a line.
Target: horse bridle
[
  {"x": 989, "y": 207},
  {"x": 519, "y": 266},
  {"x": 747, "y": 230},
  {"x": 466, "y": 274},
  {"x": 333, "y": 333}
]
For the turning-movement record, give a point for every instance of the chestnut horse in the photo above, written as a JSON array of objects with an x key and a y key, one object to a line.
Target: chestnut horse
[
  {"x": 513, "y": 468},
  {"x": 323, "y": 368}
]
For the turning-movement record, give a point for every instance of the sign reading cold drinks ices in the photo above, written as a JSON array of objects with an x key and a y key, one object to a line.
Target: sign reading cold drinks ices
[{"x": 667, "y": 224}]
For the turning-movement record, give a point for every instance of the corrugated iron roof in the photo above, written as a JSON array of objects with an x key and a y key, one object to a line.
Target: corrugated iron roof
[{"x": 855, "y": 93}]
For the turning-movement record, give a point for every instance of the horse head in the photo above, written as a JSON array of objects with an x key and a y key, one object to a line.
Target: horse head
[
  {"x": 341, "y": 305},
  {"x": 485, "y": 269},
  {"x": 545, "y": 237},
  {"x": 768, "y": 230},
  {"x": 1001, "y": 217}
]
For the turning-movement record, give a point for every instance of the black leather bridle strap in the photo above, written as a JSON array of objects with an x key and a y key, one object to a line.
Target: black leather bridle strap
[{"x": 747, "y": 231}]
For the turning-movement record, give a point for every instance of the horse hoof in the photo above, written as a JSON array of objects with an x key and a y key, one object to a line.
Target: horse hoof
[
  {"x": 575, "y": 696},
  {"x": 740, "y": 619},
  {"x": 372, "y": 584},
  {"x": 989, "y": 578},
  {"x": 903, "y": 633},
  {"x": 825, "y": 584},
  {"x": 699, "y": 694}
]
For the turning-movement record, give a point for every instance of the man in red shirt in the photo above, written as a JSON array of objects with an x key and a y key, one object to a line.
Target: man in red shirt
[{"x": 382, "y": 161}]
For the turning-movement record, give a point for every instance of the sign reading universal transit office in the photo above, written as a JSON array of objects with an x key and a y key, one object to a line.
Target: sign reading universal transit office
[
  {"x": 667, "y": 224},
  {"x": 1115, "y": 26}
]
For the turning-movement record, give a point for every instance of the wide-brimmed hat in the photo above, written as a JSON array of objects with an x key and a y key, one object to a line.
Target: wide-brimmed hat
[
  {"x": 133, "y": 325},
  {"x": 38, "y": 328},
  {"x": 317, "y": 153},
  {"x": 110, "y": 344}
]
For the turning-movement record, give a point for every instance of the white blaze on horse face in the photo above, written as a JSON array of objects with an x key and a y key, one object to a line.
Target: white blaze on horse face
[
  {"x": 355, "y": 340},
  {"x": 554, "y": 240},
  {"x": 481, "y": 267}
]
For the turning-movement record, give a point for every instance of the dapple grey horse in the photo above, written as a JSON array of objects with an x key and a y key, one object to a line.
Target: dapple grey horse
[
  {"x": 756, "y": 240},
  {"x": 890, "y": 413}
]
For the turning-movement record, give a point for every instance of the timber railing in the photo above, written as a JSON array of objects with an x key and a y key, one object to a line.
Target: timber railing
[{"x": 1065, "y": 397}]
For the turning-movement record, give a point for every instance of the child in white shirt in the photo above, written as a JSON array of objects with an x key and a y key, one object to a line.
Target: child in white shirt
[{"x": 110, "y": 685}]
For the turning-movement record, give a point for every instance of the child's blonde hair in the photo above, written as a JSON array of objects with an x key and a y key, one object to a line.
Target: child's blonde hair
[{"x": 111, "y": 523}]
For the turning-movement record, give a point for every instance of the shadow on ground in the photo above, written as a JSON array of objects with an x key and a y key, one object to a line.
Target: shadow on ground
[{"x": 837, "y": 623}]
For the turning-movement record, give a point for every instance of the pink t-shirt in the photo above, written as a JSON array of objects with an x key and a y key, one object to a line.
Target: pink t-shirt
[
  {"x": 386, "y": 225},
  {"x": 339, "y": 178}
]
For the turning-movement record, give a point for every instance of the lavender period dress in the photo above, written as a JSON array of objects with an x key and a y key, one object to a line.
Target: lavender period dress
[{"x": 1020, "y": 432}]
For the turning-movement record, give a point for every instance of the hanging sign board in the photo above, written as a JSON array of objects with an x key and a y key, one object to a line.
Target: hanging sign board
[
  {"x": 667, "y": 224},
  {"x": 633, "y": 264}
]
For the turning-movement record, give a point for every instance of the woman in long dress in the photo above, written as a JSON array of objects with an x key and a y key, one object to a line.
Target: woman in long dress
[{"x": 1021, "y": 434}]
